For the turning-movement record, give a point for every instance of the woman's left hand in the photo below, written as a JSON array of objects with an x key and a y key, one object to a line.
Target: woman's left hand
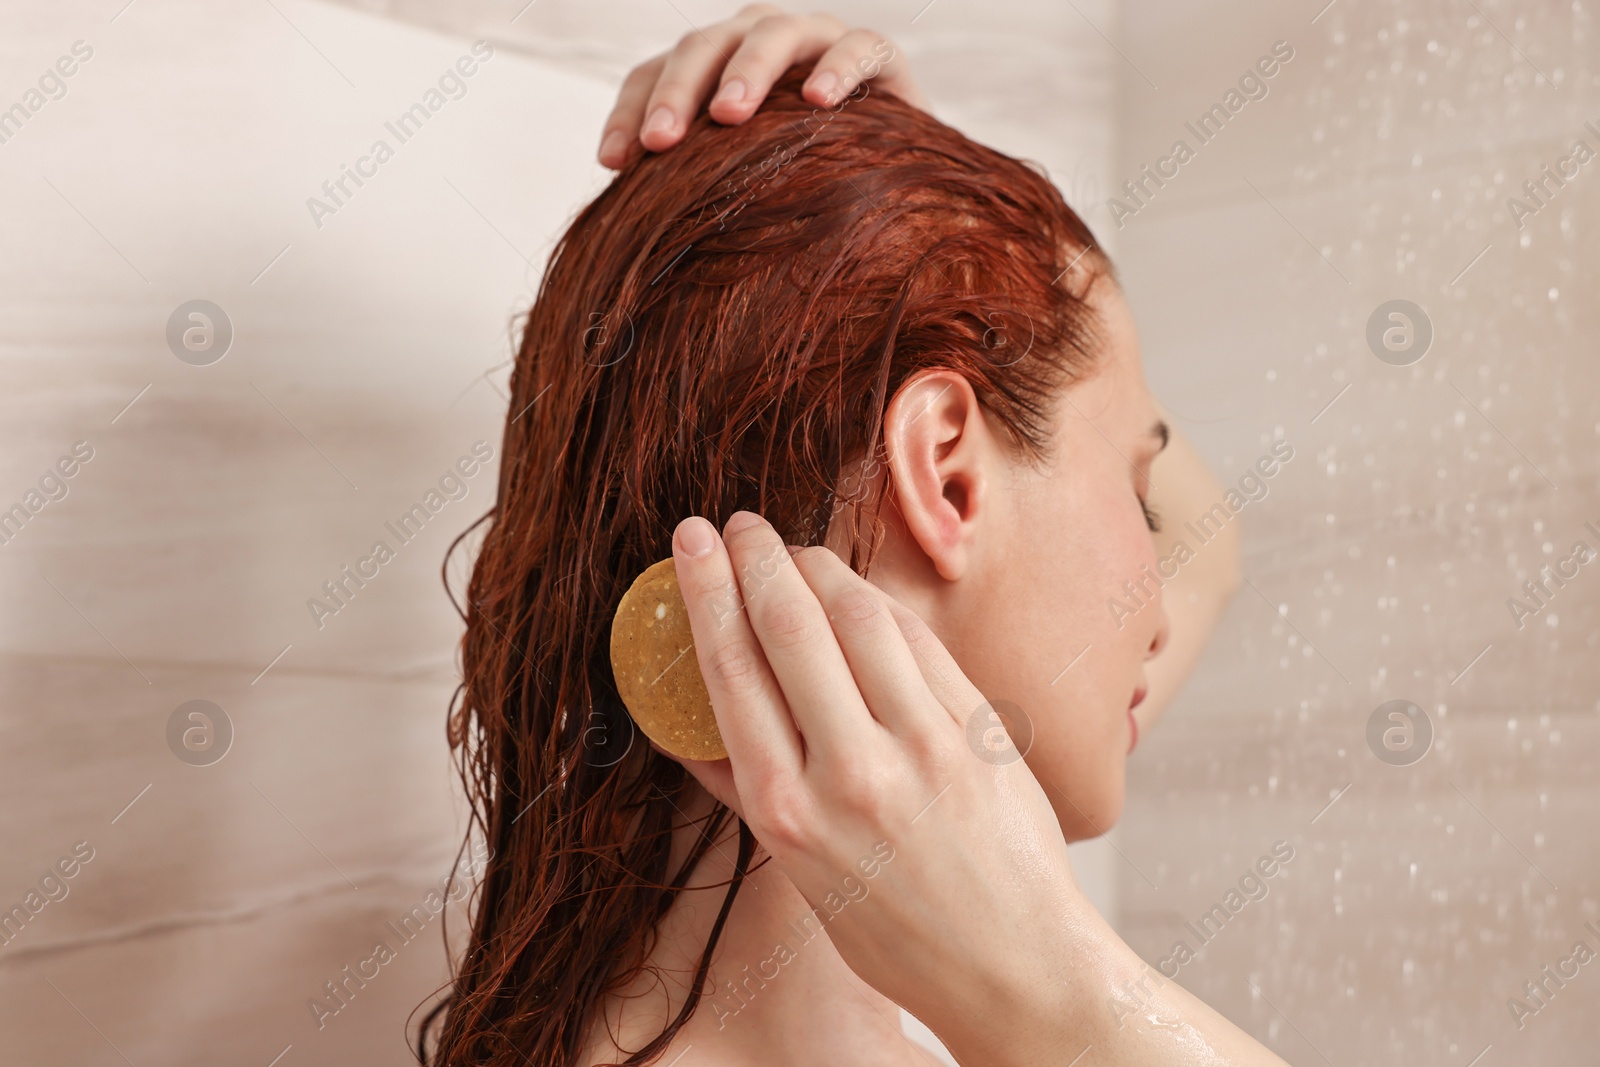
[{"x": 740, "y": 58}]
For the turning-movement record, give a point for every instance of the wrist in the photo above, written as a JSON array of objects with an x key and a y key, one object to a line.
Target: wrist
[{"x": 1053, "y": 1001}]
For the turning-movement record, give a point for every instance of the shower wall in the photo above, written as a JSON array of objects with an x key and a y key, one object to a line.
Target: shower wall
[
  {"x": 243, "y": 864},
  {"x": 1437, "y": 154}
]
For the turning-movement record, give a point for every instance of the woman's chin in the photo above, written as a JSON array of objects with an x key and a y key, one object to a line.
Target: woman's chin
[{"x": 1083, "y": 817}]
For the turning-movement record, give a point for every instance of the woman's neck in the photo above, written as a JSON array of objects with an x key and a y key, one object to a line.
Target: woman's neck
[{"x": 777, "y": 993}]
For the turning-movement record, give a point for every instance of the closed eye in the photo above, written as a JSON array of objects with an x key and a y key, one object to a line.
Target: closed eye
[
  {"x": 1161, "y": 433},
  {"x": 1151, "y": 518}
]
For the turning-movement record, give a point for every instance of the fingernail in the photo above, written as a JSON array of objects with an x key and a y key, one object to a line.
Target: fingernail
[
  {"x": 660, "y": 121},
  {"x": 742, "y": 520},
  {"x": 613, "y": 146},
  {"x": 823, "y": 83},
  {"x": 732, "y": 92},
  {"x": 696, "y": 537}
]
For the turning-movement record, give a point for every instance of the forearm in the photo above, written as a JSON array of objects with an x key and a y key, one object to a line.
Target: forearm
[{"x": 1104, "y": 1000}]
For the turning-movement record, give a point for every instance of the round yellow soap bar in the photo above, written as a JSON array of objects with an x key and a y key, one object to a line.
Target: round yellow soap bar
[{"x": 657, "y": 671}]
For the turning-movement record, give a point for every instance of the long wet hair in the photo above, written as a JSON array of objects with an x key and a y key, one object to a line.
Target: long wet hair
[{"x": 722, "y": 328}]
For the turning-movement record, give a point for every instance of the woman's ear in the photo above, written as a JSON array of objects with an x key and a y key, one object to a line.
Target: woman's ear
[{"x": 940, "y": 450}]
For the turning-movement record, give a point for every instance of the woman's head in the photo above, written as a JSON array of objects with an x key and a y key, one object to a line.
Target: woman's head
[
  {"x": 872, "y": 331},
  {"x": 1015, "y": 564}
]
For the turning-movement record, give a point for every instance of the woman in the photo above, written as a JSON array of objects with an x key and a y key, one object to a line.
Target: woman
[{"x": 824, "y": 320}]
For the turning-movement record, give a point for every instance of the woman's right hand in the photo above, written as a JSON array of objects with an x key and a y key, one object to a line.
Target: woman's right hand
[
  {"x": 845, "y": 721},
  {"x": 946, "y": 874}
]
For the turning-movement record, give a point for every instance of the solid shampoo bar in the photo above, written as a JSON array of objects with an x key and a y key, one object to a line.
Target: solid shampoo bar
[{"x": 657, "y": 671}]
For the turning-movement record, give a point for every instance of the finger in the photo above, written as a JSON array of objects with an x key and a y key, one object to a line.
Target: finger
[
  {"x": 772, "y": 46},
  {"x": 885, "y": 669},
  {"x": 944, "y": 676},
  {"x": 858, "y": 56},
  {"x": 619, "y": 140},
  {"x": 746, "y": 699},
  {"x": 798, "y": 643},
  {"x": 691, "y": 69}
]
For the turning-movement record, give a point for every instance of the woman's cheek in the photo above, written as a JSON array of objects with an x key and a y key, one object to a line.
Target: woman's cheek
[
  {"x": 1127, "y": 546},
  {"x": 1129, "y": 606},
  {"x": 1138, "y": 545}
]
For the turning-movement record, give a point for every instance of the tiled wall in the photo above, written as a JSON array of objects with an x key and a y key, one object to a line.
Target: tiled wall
[
  {"x": 369, "y": 354},
  {"x": 1378, "y": 167},
  {"x": 220, "y": 498}
]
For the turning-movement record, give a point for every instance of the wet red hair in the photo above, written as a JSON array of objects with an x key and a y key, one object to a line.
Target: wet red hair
[{"x": 722, "y": 328}]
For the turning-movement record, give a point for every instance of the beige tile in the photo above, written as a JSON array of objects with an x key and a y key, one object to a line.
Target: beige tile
[
  {"x": 233, "y": 989},
  {"x": 1417, "y": 503}
]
